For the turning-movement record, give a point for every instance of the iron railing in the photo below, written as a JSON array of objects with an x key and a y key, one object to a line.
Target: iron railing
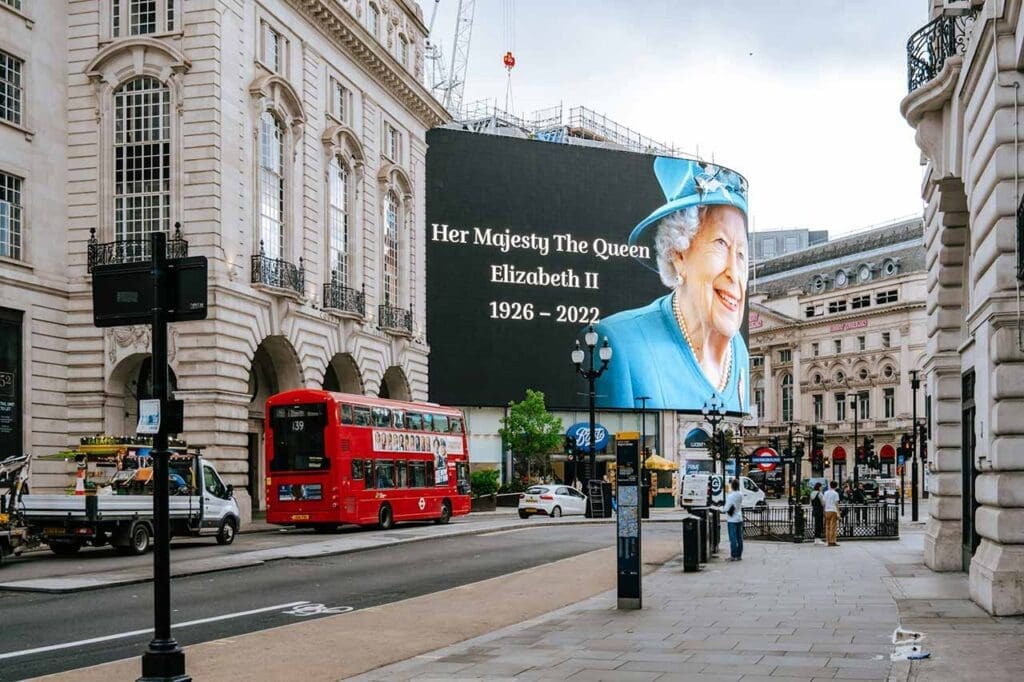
[
  {"x": 395, "y": 319},
  {"x": 131, "y": 250},
  {"x": 856, "y": 521},
  {"x": 346, "y": 299},
  {"x": 277, "y": 272},
  {"x": 935, "y": 42}
]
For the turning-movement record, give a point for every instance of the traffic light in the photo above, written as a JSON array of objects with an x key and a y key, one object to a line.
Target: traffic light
[
  {"x": 906, "y": 447},
  {"x": 817, "y": 439},
  {"x": 869, "y": 451},
  {"x": 570, "y": 448},
  {"x": 774, "y": 441}
]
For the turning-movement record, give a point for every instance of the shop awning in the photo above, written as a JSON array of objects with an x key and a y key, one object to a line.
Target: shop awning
[
  {"x": 658, "y": 463},
  {"x": 838, "y": 454},
  {"x": 887, "y": 452}
]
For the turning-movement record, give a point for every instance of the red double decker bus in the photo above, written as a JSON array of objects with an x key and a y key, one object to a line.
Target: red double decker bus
[{"x": 335, "y": 458}]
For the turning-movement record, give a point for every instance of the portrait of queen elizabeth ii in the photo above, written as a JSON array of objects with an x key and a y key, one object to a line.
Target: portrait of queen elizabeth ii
[{"x": 685, "y": 347}]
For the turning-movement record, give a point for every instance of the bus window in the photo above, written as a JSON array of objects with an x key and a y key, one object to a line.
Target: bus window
[
  {"x": 414, "y": 421},
  {"x": 455, "y": 426},
  {"x": 401, "y": 476},
  {"x": 462, "y": 476},
  {"x": 429, "y": 476},
  {"x": 357, "y": 469},
  {"x": 362, "y": 416},
  {"x": 299, "y": 437},
  {"x": 382, "y": 417},
  {"x": 368, "y": 473},
  {"x": 399, "y": 417},
  {"x": 346, "y": 415},
  {"x": 417, "y": 474},
  {"x": 441, "y": 423},
  {"x": 428, "y": 422},
  {"x": 385, "y": 474}
]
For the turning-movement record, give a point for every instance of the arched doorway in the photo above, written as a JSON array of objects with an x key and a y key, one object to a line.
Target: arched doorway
[
  {"x": 839, "y": 464},
  {"x": 130, "y": 382},
  {"x": 275, "y": 368},
  {"x": 887, "y": 460},
  {"x": 394, "y": 385},
  {"x": 342, "y": 375}
]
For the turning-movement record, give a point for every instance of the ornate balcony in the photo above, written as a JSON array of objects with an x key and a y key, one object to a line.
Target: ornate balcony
[
  {"x": 931, "y": 45},
  {"x": 394, "y": 319},
  {"x": 278, "y": 273},
  {"x": 132, "y": 250},
  {"x": 342, "y": 298}
]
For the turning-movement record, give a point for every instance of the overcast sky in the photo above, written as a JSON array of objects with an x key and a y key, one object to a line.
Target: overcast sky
[{"x": 800, "y": 96}]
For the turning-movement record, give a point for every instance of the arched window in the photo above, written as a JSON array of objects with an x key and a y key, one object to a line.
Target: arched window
[
  {"x": 375, "y": 21},
  {"x": 338, "y": 213},
  {"x": 142, "y": 161},
  {"x": 272, "y": 186},
  {"x": 391, "y": 248},
  {"x": 403, "y": 51},
  {"x": 787, "y": 398}
]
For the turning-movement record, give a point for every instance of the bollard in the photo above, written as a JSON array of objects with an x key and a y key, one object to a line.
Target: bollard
[
  {"x": 691, "y": 544},
  {"x": 798, "y": 523}
]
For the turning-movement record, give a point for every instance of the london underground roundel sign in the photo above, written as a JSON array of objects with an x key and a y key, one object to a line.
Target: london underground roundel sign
[{"x": 765, "y": 458}]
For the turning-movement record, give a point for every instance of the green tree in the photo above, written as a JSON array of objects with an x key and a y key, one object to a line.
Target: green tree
[{"x": 531, "y": 433}]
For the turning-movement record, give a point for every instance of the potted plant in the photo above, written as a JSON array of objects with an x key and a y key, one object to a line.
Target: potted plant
[{"x": 483, "y": 485}]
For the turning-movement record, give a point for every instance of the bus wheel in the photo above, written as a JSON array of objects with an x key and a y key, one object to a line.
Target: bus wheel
[
  {"x": 446, "y": 513},
  {"x": 385, "y": 518}
]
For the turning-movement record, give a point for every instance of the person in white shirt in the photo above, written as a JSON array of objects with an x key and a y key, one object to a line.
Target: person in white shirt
[
  {"x": 734, "y": 517},
  {"x": 831, "y": 514}
]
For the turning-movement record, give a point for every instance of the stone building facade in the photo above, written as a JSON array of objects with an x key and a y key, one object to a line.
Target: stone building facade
[
  {"x": 836, "y": 326},
  {"x": 287, "y": 137},
  {"x": 964, "y": 103}
]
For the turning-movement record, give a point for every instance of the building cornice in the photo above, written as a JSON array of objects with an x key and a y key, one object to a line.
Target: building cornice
[
  {"x": 835, "y": 319},
  {"x": 346, "y": 31}
]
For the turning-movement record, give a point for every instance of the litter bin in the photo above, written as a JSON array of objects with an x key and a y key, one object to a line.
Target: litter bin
[
  {"x": 706, "y": 532},
  {"x": 691, "y": 543}
]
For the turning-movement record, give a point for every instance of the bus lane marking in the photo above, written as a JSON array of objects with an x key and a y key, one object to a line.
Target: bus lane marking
[{"x": 308, "y": 609}]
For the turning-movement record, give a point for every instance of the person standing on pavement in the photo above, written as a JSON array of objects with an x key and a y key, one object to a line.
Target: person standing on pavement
[
  {"x": 831, "y": 499},
  {"x": 734, "y": 517},
  {"x": 818, "y": 512},
  {"x": 860, "y": 500}
]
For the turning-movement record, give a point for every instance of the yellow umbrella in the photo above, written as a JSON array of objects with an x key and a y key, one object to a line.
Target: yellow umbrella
[{"x": 658, "y": 463}]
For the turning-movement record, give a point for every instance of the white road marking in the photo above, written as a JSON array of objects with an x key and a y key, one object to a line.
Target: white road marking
[
  {"x": 504, "y": 532},
  {"x": 304, "y": 610},
  {"x": 136, "y": 633}
]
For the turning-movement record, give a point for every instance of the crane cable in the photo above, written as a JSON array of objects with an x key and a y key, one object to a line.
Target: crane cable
[{"x": 509, "y": 27}]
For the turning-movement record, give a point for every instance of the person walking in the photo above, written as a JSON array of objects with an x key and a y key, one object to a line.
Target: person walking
[
  {"x": 734, "y": 517},
  {"x": 860, "y": 499},
  {"x": 831, "y": 500},
  {"x": 818, "y": 513}
]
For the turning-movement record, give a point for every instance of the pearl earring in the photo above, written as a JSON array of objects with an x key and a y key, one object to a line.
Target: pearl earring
[{"x": 679, "y": 280}]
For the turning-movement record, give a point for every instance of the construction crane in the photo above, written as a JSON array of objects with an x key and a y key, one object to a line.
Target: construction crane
[{"x": 448, "y": 84}]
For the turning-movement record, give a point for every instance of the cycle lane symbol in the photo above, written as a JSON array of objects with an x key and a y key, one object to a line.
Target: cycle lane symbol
[{"x": 305, "y": 610}]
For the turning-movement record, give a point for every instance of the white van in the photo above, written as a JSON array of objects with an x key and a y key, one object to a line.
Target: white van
[{"x": 697, "y": 489}]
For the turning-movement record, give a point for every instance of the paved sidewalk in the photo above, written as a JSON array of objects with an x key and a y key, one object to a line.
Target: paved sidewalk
[{"x": 785, "y": 612}]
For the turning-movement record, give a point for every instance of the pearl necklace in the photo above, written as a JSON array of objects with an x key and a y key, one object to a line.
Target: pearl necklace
[{"x": 686, "y": 335}]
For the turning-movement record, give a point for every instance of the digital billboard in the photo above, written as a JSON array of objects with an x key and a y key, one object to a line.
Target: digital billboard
[{"x": 528, "y": 243}]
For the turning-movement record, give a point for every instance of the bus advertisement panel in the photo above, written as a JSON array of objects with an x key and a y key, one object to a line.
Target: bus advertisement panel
[
  {"x": 335, "y": 458},
  {"x": 528, "y": 243}
]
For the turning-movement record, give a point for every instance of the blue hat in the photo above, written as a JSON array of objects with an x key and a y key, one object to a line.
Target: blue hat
[{"x": 687, "y": 182}]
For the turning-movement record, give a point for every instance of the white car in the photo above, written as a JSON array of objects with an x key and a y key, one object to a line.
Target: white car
[{"x": 552, "y": 500}]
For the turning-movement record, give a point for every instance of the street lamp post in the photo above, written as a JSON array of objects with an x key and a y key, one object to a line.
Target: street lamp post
[
  {"x": 856, "y": 458},
  {"x": 915, "y": 384},
  {"x": 591, "y": 375},
  {"x": 714, "y": 414}
]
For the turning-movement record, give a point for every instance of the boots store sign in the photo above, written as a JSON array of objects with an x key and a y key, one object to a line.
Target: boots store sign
[{"x": 580, "y": 433}]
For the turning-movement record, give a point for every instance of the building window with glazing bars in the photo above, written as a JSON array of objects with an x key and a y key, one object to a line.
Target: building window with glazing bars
[
  {"x": 889, "y": 401},
  {"x": 819, "y": 408},
  {"x": 272, "y": 49},
  {"x": 864, "y": 402},
  {"x": 392, "y": 143},
  {"x": 890, "y": 296},
  {"x": 815, "y": 349},
  {"x": 391, "y": 248},
  {"x": 142, "y": 160},
  {"x": 338, "y": 220},
  {"x": 272, "y": 186},
  {"x": 10, "y": 216},
  {"x": 787, "y": 398},
  {"x": 340, "y": 101},
  {"x": 16, "y": 4},
  {"x": 886, "y": 339},
  {"x": 374, "y": 20},
  {"x": 11, "y": 88},
  {"x": 403, "y": 51},
  {"x": 759, "y": 402},
  {"x": 837, "y": 307},
  {"x": 840, "y": 406},
  {"x": 838, "y": 345},
  {"x": 141, "y": 17},
  {"x": 860, "y": 302}
]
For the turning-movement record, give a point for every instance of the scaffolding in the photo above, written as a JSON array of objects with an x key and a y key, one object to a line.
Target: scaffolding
[{"x": 582, "y": 126}]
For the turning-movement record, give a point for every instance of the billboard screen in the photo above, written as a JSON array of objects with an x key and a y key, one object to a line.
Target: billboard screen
[{"x": 528, "y": 243}]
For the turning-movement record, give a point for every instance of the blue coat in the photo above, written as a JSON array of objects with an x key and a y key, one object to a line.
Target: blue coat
[{"x": 650, "y": 357}]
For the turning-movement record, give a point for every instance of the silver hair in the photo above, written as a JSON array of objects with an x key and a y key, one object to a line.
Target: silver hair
[{"x": 675, "y": 232}]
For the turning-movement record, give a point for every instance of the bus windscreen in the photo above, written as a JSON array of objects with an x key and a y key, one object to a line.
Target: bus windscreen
[{"x": 299, "y": 437}]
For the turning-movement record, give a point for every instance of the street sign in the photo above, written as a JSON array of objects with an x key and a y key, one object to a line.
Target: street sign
[
  {"x": 122, "y": 293},
  {"x": 628, "y": 490},
  {"x": 899, "y": 460}
]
